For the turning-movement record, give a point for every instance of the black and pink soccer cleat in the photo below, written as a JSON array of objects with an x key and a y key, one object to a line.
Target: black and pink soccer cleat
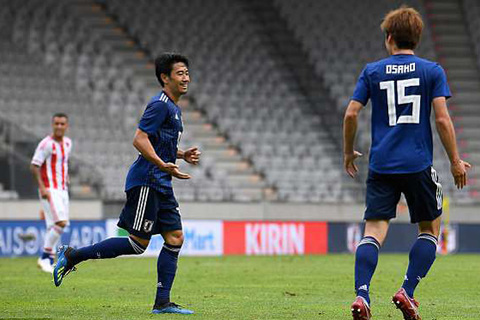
[
  {"x": 361, "y": 309},
  {"x": 407, "y": 305}
]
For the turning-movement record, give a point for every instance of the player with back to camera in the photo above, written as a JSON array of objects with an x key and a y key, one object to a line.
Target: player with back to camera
[
  {"x": 49, "y": 166},
  {"x": 402, "y": 89},
  {"x": 151, "y": 207}
]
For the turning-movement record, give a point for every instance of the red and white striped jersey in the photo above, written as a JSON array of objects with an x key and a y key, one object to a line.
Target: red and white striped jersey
[{"x": 52, "y": 158}]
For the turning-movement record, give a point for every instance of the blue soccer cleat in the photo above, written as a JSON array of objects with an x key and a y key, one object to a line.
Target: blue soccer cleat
[
  {"x": 63, "y": 267},
  {"x": 171, "y": 307}
]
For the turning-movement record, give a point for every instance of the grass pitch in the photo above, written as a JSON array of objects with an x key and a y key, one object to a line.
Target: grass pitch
[{"x": 310, "y": 287}]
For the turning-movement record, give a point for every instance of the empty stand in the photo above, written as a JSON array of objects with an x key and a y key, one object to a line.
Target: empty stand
[
  {"x": 243, "y": 90},
  {"x": 339, "y": 51},
  {"x": 102, "y": 80},
  {"x": 267, "y": 130},
  {"x": 453, "y": 42}
]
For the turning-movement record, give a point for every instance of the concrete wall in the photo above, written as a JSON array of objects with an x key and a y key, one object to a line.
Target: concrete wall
[
  {"x": 29, "y": 209},
  {"x": 289, "y": 211},
  {"x": 95, "y": 209}
]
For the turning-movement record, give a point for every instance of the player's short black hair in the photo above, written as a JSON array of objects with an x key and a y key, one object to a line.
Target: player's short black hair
[
  {"x": 59, "y": 115},
  {"x": 164, "y": 64}
]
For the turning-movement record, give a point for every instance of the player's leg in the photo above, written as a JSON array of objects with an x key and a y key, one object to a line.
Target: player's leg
[
  {"x": 167, "y": 265},
  {"x": 53, "y": 232},
  {"x": 421, "y": 258},
  {"x": 109, "y": 248},
  {"x": 64, "y": 216},
  {"x": 381, "y": 201},
  {"x": 424, "y": 199},
  {"x": 53, "y": 235},
  {"x": 422, "y": 255},
  {"x": 57, "y": 215},
  {"x": 139, "y": 206},
  {"x": 172, "y": 234},
  {"x": 366, "y": 255},
  {"x": 366, "y": 259}
]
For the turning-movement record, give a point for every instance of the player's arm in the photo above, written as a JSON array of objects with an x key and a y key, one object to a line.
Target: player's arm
[
  {"x": 38, "y": 177},
  {"x": 144, "y": 146},
  {"x": 191, "y": 155},
  {"x": 350, "y": 122},
  {"x": 41, "y": 154},
  {"x": 446, "y": 132}
]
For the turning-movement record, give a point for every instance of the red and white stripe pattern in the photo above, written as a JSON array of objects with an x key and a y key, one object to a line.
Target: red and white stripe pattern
[{"x": 52, "y": 158}]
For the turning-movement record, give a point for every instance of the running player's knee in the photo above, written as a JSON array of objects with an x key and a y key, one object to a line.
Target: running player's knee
[
  {"x": 174, "y": 238},
  {"x": 430, "y": 227},
  {"x": 142, "y": 242},
  {"x": 61, "y": 224}
]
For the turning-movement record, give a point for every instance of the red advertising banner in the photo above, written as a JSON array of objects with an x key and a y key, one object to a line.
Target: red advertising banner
[{"x": 274, "y": 238}]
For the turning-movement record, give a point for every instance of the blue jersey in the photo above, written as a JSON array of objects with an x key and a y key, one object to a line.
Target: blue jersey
[
  {"x": 401, "y": 88},
  {"x": 162, "y": 121}
]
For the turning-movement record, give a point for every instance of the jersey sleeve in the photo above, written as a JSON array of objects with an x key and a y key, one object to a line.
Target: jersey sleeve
[
  {"x": 362, "y": 89},
  {"x": 41, "y": 153},
  {"x": 70, "y": 147},
  {"x": 440, "y": 85},
  {"x": 153, "y": 117}
]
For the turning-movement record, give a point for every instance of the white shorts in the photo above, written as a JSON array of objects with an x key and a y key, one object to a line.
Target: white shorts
[{"x": 57, "y": 208}]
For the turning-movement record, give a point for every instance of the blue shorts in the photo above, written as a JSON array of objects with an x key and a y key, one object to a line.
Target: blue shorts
[
  {"x": 149, "y": 211},
  {"x": 422, "y": 191}
]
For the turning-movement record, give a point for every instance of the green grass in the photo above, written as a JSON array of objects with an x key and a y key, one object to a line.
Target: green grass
[{"x": 311, "y": 287}]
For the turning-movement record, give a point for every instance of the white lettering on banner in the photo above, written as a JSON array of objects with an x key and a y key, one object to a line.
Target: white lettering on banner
[
  {"x": 297, "y": 239},
  {"x": 17, "y": 248},
  {"x": 5, "y": 241},
  {"x": 251, "y": 235},
  {"x": 202, "y": 238},
  {"x": 12, "y": 244},
  {"x": 86, "y": 236},
  {"x": 75, "y": 239},
  {"x": 195, "y": 241},
  {"x": 274, "y": 238}
]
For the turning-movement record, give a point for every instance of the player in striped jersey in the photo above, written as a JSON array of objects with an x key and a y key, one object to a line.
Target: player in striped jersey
[
  {"x": 151, "y": 207},
  {"x": 50, "y": 169}
]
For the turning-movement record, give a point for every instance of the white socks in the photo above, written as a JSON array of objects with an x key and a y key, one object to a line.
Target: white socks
[{"x": 52, "y": 237}]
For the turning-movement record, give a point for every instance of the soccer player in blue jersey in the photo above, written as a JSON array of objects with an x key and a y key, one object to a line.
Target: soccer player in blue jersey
[
  {"x": 402, "y": 89},
  {"x": 150, "y": 207}
]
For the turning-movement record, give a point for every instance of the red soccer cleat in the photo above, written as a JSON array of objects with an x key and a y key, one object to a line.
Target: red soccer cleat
[
  {"x": 407, "y": 305},
  {"x": 361, "y": 309}
]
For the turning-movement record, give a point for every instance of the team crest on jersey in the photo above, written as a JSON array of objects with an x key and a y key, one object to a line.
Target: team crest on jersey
[{"x": 147, "y": 225}]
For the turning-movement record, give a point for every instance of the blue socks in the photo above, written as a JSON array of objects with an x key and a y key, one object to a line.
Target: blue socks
[
  {"x": 422, "y": 255},
  {"x": 366, "y": 259},
  {"x": 166, "y": 269},
  {"x": 106, "y": 249},
  {"x": 47, "y": 255}
]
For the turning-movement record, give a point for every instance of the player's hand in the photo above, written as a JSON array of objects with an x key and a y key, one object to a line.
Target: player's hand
[
  {"x": 459, "y": 172},
  {"x": 44, "y": 193},
  {"x": 172, "y": 169},
  {"x": 349, "y": 163},
  {"x": 192, "y": 155}
]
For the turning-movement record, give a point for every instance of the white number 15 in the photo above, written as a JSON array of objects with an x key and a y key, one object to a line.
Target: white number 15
[{"x": 402, "y": 99}]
